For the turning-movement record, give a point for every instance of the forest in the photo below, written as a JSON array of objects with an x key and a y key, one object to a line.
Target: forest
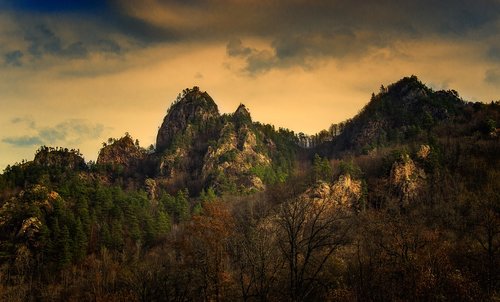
[{"x": 399, "y": 203}]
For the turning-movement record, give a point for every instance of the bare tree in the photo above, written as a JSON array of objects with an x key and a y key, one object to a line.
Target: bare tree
[{"x": 311, "y": 232}]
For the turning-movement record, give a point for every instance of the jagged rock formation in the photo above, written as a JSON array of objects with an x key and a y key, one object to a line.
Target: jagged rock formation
[
  {"x": 197, "y": 147},
  {"x": 20, "y": 212},
  {"x": 59, "y": 158},
  {"x": 406, "y": 179},
  {"x": 345, "y": 192},
  {"x": 194, "y": 108},
  {"x": 122, "y": 153},
  {"x": 228, "y": 163}
]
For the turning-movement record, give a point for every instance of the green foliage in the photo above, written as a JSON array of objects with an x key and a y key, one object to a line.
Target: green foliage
[
  {"x": 177, "y": 206},
  {"x": 228, "y": 156},
  {"x": 208, "y": 195},
  {"x": 348, "y": 167},
  {"x": 321, "y": 169},
  {"x": 487, "y": 126}
]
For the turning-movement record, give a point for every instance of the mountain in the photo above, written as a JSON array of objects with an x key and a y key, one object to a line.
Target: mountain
[
  {"x": 399, "y": 113},
  {"x": 198, "y": 148},
  {"x": 401, "y": 202}
]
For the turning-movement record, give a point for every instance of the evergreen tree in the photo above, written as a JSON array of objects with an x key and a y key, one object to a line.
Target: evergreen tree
[
  {"x": 321, "y": 169},
  {"x": 64, "y": 248},
  {"x": 162, "y": 223},
  {"x": 182, "y": 205},
  {"x": 79, "y": 242}
]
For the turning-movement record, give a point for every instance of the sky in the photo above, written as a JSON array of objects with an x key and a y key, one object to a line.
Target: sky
[{"x": 74, "y": 73}]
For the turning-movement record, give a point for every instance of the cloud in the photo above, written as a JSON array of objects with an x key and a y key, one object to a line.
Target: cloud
[
  {"x": 256, "y": 61},
  {"x": 492, "y": 76},
  {"x": 299, "y": 32},
  {"x": 109, "y": 46},
  {"x": 43, "y": 41},
  {"x": 13, "y": 58},
  {"x": 221, "y": 18},
  {"x": 72, "y": 131},
  {"x": 27, "y": 120},
  {"x": 494, "y": 53},
  {"x": 23, "y": 141},
  {"x": 235, "y": 48}
]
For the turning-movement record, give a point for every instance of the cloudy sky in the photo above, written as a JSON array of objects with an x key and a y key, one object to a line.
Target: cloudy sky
[{"x": 73, "y": 73}]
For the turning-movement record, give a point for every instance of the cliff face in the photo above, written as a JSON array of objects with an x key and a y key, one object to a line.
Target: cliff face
[
  {"x": 122, "y": 153},
  {"x": 22, "y": 214},
  {"x": 229, "y": 162},
  {"x": 345, "y": 192},
  {"x": 199, "y": 148},
  {"x": 59, "y": 158},
  {"x": 406, "y": 178},
  {"x": 195, "y": 108}
]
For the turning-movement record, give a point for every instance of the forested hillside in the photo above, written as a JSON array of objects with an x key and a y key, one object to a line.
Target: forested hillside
[{"x": 399, "y": 203}]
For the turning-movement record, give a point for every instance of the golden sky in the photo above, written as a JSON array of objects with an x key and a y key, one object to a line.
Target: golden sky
[{"x": 76, "y": 73}]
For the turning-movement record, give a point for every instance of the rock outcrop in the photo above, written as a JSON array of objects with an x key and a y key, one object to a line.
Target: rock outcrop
[
  {"x": 197, "y": 147},
  {"x": 122, "y": 153},
  {"x": 62, "y": 158},
  {"x": 228, "y": 164},
  {"x": 345, "y": 193},
  {"x": 406, "y": 179},
  {"x": 193, "y": 108}
]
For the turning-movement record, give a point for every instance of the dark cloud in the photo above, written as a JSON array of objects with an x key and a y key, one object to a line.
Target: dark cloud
[
  {"x": 109, "y": 46},
  {"x": 302, "y": 32},
  {"x": 43, "y": 41},
  {"x": 281, "y": 17},
  {"x": 13, "y": 58},
  {"x": 298, "y": 31},
  {"x": 301, "y": 50},
  {"x": 494, "y": 52},
  {"x": 257, "y": 61},
  {"x": 235, "y": 48},
  {"x": 67, "y": 132},
  {"x": 75, "y": 50}
]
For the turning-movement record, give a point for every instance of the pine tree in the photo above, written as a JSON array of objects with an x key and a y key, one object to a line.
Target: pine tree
[
  {"x": 116, "y": 235},
  {"x": 63, "y": 247},
  {"x": 182, "y": 205},
  {"x": 79, "y": 242},
  {"x": 321, "y": 169},
  {"x": 162, "y": 223}
]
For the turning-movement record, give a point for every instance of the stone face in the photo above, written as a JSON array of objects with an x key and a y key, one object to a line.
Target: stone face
[
  {"x": 232, "y": 158},
  {"x": 63, "y": 158},
  {"x": 195, "y": 144},
  {"x": 122, "y": 152},
  {"x": 194, "y": 108},
  {"x": 406, "y": 179},
  {"x": 345, "y": 192}
]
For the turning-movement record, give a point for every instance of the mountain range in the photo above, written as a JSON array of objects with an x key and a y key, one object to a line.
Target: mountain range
[{"x": 400, "y": 202}]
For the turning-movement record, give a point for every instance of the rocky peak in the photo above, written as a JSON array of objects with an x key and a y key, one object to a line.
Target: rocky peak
[
  {"x": 242, "y": 115},
  {"x": 59, "y": 157},
  {"x": 122, "y": 152},
  {"x": 192, "y": 107}
]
